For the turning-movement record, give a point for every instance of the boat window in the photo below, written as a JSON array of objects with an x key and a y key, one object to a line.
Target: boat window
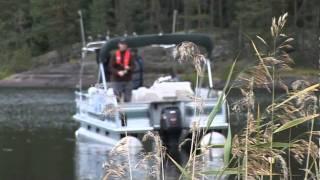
[
  {"x": 97, "y": 130},
  {"x": 88, "y": 127},
  {"x": 189, "y": 111},
  {"x": 106, "y": 133}
]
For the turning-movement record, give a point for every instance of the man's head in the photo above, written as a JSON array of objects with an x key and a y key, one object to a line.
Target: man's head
[
  {"x": 134, "y": 52},
  {"x": 122, "y": 45}
]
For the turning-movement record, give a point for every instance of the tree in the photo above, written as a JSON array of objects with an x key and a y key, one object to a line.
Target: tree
[
  {"x": 155, "y": 9},
  {"x": 253, "y": 13},
  {"x": 101, "y": 17},
  {"x": 55, "y": 23}
]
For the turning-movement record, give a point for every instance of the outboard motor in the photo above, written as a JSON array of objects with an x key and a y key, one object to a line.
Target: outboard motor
[
  {"x": 170, "y": 120},
  {"x": 170, "y": 130}
]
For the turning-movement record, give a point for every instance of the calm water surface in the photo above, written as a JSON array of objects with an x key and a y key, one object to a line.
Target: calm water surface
[{"x": 37, "y": 138}]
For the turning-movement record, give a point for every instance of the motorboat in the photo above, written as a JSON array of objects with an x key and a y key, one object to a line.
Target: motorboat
[{"x": 168, "y": 107}]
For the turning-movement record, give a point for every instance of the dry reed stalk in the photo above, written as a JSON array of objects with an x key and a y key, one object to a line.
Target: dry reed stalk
[
  {"x": 255, "y": 149},
  {"x": 122, "y": 149},
  {"x": 256, "y": 145},
  {"x": 189, "y": 52},
  {"x": 157, "y": 155}
]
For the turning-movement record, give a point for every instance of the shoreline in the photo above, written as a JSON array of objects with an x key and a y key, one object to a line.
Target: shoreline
[
  {"x": 66, "y": 75},
  {"x": 71, "y": 81}
]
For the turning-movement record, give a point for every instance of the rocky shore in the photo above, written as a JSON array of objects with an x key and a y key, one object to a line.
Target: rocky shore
[{"x": 157, "y": 62}]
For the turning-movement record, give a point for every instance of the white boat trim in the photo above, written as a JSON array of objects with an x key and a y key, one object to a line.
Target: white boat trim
[{"x": 84, "y": 134}]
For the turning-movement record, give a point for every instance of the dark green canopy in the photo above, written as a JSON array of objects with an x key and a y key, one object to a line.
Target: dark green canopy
[{"x": 165, "y": 39}]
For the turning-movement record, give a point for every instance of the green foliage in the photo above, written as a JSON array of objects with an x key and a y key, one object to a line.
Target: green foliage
[
  {"x": 227, "y": 171},
  {"x": 253, "y": 13},
  {"x": 99, "y": 16},
  {"x": 228, "y": 147},
  {"x": 54, "y": 23},
  {"x": 4, "y": 70},
  {"x": 221, "y": 99},
  {"x": 21, "y": 59},
  {"x": 184, "y": 172},
  {"x": 45, "y": 25},
  {"x": 15, "y": 61},
  {"x": 295, "y": 122}
]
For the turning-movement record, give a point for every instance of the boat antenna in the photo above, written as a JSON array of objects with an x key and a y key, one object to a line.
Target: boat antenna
[
  {"x": 83, "y": 39},
  {"x": 83, "y": 52},
  {"x": 174, "y": 20},
  {"x": 108, "y": 35}
]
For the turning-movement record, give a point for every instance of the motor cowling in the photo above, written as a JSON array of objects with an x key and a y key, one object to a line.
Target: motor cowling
[
  {"x": 170, "y": 130},
  {"x": 170, "y": 119}
]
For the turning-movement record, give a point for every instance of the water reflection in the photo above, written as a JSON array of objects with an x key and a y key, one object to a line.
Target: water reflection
[
  {"x": 89, "y": 158},
  {"x": 36, "y": 134},
  {"x": 93, "y": 161},
  {"x": 36, "y": 155}
]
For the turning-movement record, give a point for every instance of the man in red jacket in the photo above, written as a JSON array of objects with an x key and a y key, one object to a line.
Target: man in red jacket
[{"x": 121, "y": 66}]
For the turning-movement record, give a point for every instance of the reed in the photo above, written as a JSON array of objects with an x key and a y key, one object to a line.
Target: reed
[{"x": 256, "y": 150}]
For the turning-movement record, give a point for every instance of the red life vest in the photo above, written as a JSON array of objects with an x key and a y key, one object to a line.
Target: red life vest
[{"x": 127, "y": 57}]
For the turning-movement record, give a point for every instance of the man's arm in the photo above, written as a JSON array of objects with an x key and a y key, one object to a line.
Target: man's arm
[
  {"x": 111, "y": 65},
  {"x": 131, "y": 65}
]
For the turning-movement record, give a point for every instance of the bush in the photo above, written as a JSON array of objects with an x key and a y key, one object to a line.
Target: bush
[
  {"x": 21, "y": 59},
  {"x": 17, "y": 61}
]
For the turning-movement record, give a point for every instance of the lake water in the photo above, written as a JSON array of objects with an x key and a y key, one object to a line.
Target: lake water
[{"x": 37, "y": 137}]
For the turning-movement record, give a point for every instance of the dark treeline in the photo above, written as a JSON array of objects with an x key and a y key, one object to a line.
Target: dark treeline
[{"x": 32, "y": 27}]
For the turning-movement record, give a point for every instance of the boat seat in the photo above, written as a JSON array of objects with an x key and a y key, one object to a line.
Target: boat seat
[{"x": 163, "y": 91}]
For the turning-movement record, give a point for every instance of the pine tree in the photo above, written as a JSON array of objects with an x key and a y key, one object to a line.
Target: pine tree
[
  {"x": 253, "y": 13},
  {"x": 55, "y": 23},
  {"x": 99, "y": 17}
]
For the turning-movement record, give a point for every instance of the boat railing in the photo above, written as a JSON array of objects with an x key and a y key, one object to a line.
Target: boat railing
[
  {"x": 202, "y": 116},
  {"x": 82, "y": 102},
  {"x": 86, "y": 105}
]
